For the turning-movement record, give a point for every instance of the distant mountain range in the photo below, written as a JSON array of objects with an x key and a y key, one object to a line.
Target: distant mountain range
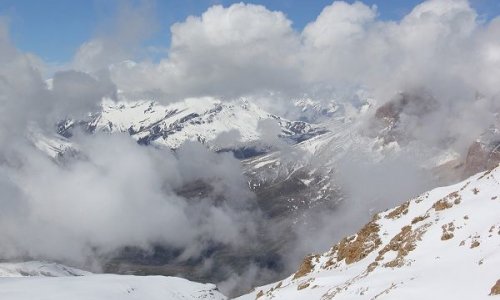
[{"x": 200, "y": 119}]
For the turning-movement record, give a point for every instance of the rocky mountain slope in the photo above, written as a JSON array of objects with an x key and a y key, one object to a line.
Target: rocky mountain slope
[
  {"x": 442, "y": 244},
  {"x": 484, "y": 153},
  {"x": 38, "y": 280}
]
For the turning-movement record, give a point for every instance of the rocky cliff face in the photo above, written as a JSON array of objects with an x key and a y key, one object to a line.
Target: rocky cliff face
[{"x": 484, "y": 153}]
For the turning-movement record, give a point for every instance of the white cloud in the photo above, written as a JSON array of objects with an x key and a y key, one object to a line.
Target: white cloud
[
  {"x": 118, "y": 39},
  {"x": 115, "y": 193},
  {"x": 247, "y": 49},
  {"x": 241, "y": 49},
  {"x": 339, "y": 23}
]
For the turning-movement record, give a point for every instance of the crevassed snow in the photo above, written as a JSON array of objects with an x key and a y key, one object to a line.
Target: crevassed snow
[
  {"x": 35, "y": 280},
  {"x": 444, "y": 244}
]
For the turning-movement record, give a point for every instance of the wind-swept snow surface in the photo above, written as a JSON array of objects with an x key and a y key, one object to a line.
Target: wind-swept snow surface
[
  {"x": 443, "y": 244},
  {"x": 43, "y": 281}
]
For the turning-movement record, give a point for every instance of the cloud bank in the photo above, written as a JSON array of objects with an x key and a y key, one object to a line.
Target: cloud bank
[
  {"x": 113, "y": 193},
  {"x": 246, "y": 48}
]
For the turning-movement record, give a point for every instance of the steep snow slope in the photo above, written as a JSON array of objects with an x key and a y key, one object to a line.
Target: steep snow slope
[
  {"x": 200, "y": 119},
  {"x": 53, "y": 145},
  {"x": 36, "y": 280},
  {"x": 444, "y": 244}
]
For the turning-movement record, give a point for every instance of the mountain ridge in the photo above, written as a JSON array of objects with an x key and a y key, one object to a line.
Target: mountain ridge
[{"x": 414, "y": 250}]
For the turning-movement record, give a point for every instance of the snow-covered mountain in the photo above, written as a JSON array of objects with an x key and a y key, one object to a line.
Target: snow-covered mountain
[
  {"x": 38, "y": 280},
  {"x": 37, "y": 268},
  {"x": 313, "y": 111},
  {"x": 442, "y": 244},
  {"x": 291, "y": 182},
  {"x": 195, "y": 119}
]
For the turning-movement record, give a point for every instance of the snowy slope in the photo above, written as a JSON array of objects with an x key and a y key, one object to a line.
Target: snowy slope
[
  {"x": 36, "y": 280},
  {"x": 444, "y": 244},
  {"x": 193, "y": 119},
  {"x": 37, "y": 268},
  {"x": 53, "y": 145}
]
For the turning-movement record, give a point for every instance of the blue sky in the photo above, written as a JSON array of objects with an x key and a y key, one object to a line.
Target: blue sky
[{"x": 54, "y": 29}]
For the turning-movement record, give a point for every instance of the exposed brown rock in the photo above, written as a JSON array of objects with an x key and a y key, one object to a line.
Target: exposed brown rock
[
  {"x": 442, "y": 205},
  {"x": 454, "y": 196},
  {"x": 329, "y": 263},
  {"x": 495, "y": 289},
  {"x": 259, "y": 294},
  {"x": 481, "y": 157},
  {"x": 474, "y": 244},
  {"x": 398, "y": 211},
  {"x": 418, "y": 219},
  {"x": 446, "y": 236},
  {"x": 303, "y": 285},
  {"x": 372, "y": 266},
  {"x": 447, "y": 231},
  {"x": 305, "y": 268},
  {"x": 403, "y": 243},
  {"x": 357, "y": 247}
]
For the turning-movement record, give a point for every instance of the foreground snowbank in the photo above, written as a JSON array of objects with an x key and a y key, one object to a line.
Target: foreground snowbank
[{"x": 44, "y": 281}]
